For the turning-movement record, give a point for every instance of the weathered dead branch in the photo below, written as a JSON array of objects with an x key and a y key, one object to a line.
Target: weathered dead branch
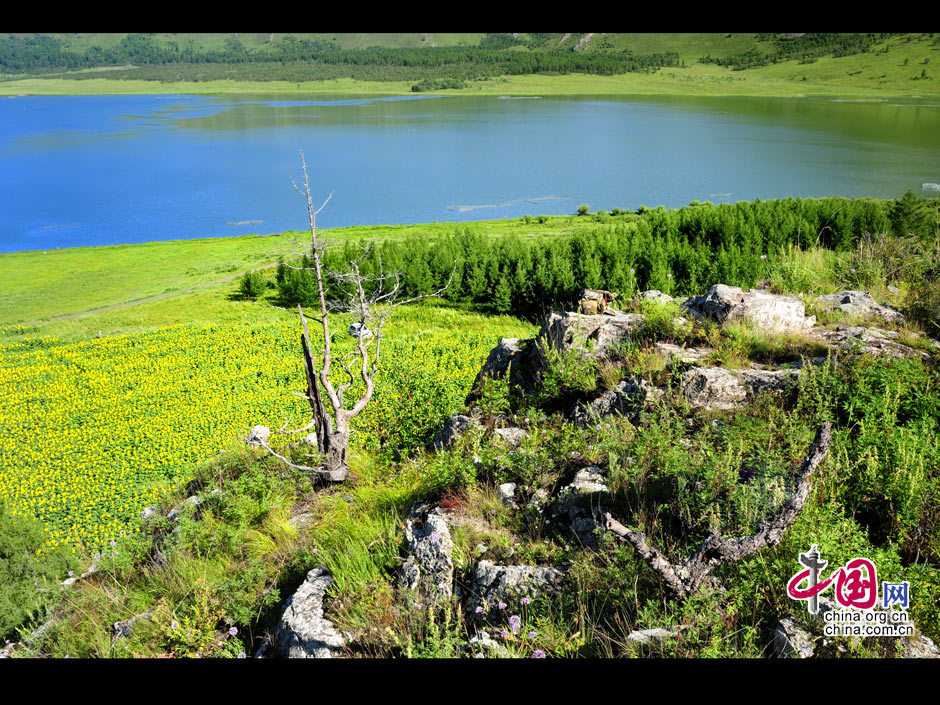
[{"x": 685, "y": 578}]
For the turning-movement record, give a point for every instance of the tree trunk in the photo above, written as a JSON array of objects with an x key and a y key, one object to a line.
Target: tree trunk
[{"x": 334, "y": 453}]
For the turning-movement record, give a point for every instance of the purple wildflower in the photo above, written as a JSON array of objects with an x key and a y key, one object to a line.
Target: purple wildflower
[
  {"x": 502, "y": 605},
  {"x": 504, "y": 634},
  {"x": 174, "y": 624},
  {"x": 515, "y": 623},
  {"x": 538, "y": 653},
  {"x": 533, "y": 634},
  {"x": 479, "y": 609},
  {"x": 233, "y": 631},
  {"x": 525, "y": 600}
]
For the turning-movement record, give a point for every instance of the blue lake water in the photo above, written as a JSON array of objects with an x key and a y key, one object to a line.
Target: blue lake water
[{"x": 118, "y": 169}]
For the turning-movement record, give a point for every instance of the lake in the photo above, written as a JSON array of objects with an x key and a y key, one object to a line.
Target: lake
[{"x": 91, "y": 170}]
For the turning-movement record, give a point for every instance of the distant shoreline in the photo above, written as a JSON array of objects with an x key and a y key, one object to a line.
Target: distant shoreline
[{"x": 696, "y": 80}]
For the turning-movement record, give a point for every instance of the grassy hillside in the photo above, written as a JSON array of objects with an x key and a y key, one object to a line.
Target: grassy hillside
[
  {"x": 124, "y": 288},
  {"x": 898, "y": 66},
  {"x": 145, "y": 387}
]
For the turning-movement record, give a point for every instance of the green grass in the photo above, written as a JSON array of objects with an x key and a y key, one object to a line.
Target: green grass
[
  {"x": 870, "y": 75},
  {"x": 127, "y": 288}
]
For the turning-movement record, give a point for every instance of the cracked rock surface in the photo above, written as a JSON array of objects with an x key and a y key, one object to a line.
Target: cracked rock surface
[{"x": 303, "y": 631}]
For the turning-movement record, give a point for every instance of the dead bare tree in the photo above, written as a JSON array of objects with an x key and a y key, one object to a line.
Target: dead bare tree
[
  {"x": 686, "y": 578},
  {"x": 371, "y": 300}
]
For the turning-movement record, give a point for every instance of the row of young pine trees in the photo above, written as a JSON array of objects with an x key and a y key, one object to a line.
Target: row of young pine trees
[{"x": 677, "y": 251}]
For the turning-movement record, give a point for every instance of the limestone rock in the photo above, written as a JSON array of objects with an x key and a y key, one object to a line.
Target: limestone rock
[
  {"x": 589, "y": 334},
  {"x": 453, "y": 428},
  {"x": 791, "y": 641},
  {"x": 594, "y": 301},
  {"x": 512, "y": 437},
  {"x": 920, "y": 646},
  {"x": 717, "y": 388},
  {"x": 626, "y": 398},
  {"x": 482, "y": 645},
  {"x": 686, "y": 356},
  {"x": 497, "y": 362},
  {"x": 507, "y": 493},
  {"x": 860, "y": 340},
  {"x": 303, "y": 632},
  {"x": 258, "y": 436},
  {"x": 762, "y": 309},
  {"x": 493, "y": 584},
  {"x": 648, "y": 636},
  {"x": 655, "y": 295},
  {"x": 579, "y": 503},
  {"x": 862, "y": 304},
  {"x": 429, "y": 568},
  {"x": 587, "y": 484}
]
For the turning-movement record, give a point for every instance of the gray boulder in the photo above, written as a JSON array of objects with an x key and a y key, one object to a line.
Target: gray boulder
[
  {"x": 626, "y": 399},
  {"x": 507, "y": 493},
  {"x": 655, "y": 295},
  {"x": 453, "y": 428},
  {"x": 791, "y": 641},
  {"x": 859, "y": 340},
  {"x": 589, "y": 334},
  {"x": 589, "y": 484},
  {"x": 482, "y": 645},
  {"x": 717, "y": 388},
  {"x": 646, "y": 637},
  {"x": 512, "y": 437},
  {"x": 579, "y": 503},
  {"x": 860, "y": 303},
  {"x": 497, "y": 363},
  {"x": 493, "y": 584},
  {"x": 594, "y": 301},
  {"x": 258, "y": 436},
  {"x": 429, "y": 567},
  {"x": 761, "y": 309},
  {"x": 303, "y": 631},
  {"x": 920, "y": 646},
  {"x": 685, "y": 356}
]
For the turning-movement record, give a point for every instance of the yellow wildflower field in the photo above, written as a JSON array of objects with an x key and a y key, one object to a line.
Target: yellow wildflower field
[{"x": 93, "y": 431}]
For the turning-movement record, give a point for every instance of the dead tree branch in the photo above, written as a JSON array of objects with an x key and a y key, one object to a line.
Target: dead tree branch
[
  {"x": 370, "y": 299},
  {"x": 685, "y": 578}
]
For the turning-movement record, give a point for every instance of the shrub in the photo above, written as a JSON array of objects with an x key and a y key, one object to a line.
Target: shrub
[
  {"x": 28, "y": 582},
  {"x": 584, "y": 209},
  {"x": 252, "y": 284}
]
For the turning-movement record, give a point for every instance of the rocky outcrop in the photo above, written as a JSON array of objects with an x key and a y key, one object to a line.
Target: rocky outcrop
[
  {"x": 717, "y": 388},
  {"x": 519, "y": 359},
  {"x": 579, "y": 503},
  {"x": 482, "y": 645},
  {"x": 626, "y": 399},
  {"x": 303, "y": 631},
  {"x": 592, "y": 335},
  {"x": 681, "y": 355},
  {"x": 494, "y": 584},
  {"x": 791, "y": 641},
  {"x": 860, "y": 303},
  {"x": 454, "y": 427},
  {"x": 429, "y": 568},
  {"x": 594, "y": 301},
  {"x": 920, "y": 646},
  {"x": 859, "y": 340},
  {"x": 511, "y": 437},
  {"x": 507, "y": 493},
  {"x": 761, "y": 309},
  {"x": 655, "y": 295},
  {"x": 647, "y": 637}
]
